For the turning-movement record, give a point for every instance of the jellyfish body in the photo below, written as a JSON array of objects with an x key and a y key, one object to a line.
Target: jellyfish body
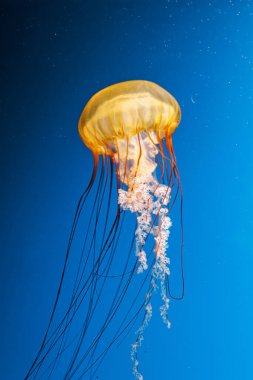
[{"x": 128, "y": 127}]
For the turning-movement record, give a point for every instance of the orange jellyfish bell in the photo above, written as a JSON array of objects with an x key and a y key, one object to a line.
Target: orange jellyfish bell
[{"x": 124, "y": 110}]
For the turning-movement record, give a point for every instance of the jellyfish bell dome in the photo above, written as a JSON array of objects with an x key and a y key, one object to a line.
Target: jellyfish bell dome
[{"x": 124, "y": 110}]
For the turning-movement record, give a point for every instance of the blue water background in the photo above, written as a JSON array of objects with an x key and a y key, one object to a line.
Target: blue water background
[{"x": 55, "y": 55}]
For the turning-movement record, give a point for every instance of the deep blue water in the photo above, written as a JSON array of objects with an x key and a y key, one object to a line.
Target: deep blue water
[{"x": 55, "y": 56}]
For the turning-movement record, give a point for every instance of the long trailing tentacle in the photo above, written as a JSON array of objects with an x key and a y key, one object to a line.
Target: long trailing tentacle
[{"x": 175, "y": 171}]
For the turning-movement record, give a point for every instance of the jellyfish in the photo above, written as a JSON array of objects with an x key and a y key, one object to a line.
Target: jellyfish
[{"x": 123, "y": 218}]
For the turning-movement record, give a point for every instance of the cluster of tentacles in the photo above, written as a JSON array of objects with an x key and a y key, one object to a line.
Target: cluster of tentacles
[{"x": 105, "y": 301}]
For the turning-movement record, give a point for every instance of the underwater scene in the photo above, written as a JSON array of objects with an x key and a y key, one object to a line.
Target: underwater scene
[{"x": 127, "y": 191}]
